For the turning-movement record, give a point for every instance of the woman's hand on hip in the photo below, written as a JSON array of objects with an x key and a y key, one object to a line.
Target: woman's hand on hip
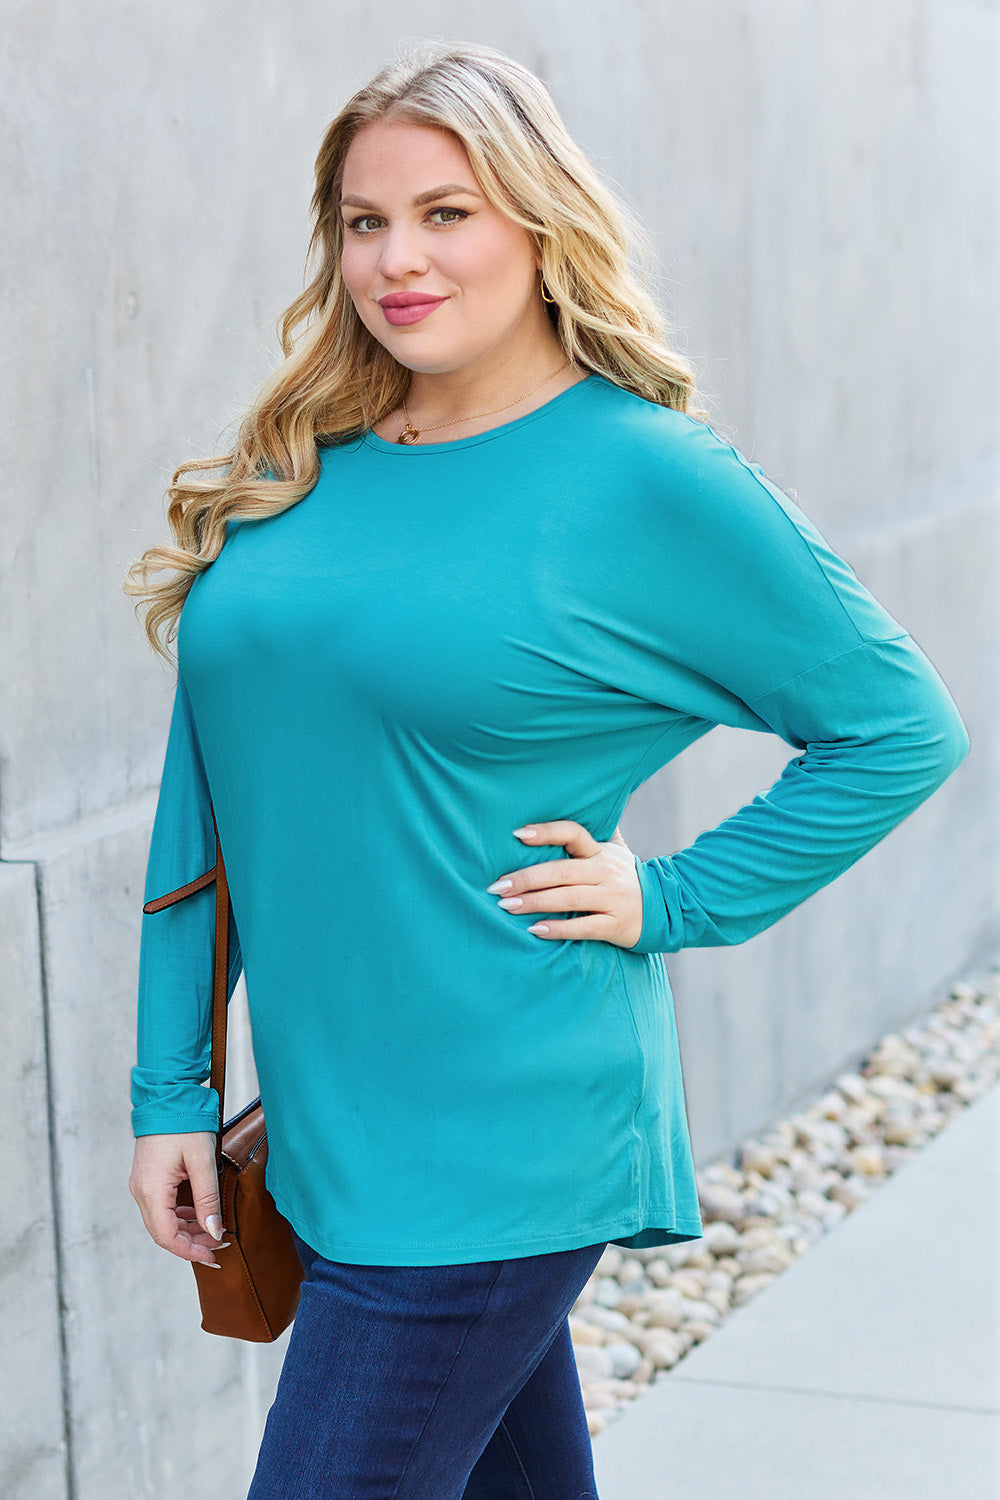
[
  {"x": 600, "y": 880},
  {"x": 160, "y": 1164}
]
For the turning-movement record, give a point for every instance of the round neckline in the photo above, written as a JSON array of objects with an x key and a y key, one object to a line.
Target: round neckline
[{"x": 382, "y": 444}]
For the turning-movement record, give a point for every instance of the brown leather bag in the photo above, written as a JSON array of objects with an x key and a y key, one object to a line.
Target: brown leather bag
[{"x": 255, "y": 1294}]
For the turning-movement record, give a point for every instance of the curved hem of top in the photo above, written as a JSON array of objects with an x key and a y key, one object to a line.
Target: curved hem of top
[
  {"x": 383, "y": 445},
  {"x": 611, "y": 1232}
]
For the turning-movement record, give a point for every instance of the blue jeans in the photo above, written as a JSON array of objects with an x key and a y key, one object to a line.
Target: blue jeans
[{"x": 431, "y": 1383}]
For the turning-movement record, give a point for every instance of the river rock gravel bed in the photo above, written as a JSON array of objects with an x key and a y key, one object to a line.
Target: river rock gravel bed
[{"x": 778, "y": 1193}]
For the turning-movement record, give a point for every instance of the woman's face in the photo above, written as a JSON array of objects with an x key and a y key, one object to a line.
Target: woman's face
[{"x": 439, "y": 275}]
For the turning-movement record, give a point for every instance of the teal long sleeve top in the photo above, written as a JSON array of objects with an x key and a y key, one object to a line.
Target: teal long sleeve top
[{"x": 438, "y": 644}]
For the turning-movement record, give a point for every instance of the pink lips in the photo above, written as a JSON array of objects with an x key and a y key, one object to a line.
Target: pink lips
[{"x": 401, "y": 308}]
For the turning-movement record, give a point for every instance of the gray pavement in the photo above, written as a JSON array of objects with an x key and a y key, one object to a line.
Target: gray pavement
[{"x": 869, "y": 1370}]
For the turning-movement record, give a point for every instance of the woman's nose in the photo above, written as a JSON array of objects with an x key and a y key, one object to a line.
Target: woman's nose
[{"x": 401, "y": 254}]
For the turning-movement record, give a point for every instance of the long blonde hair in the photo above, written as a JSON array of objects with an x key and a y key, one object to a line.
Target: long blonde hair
[{"x": 336, "y": 380}]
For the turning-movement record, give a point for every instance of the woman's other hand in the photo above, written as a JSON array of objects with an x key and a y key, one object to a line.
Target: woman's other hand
[
  {"x": 599, "y": 879},
  {"x": 159, "y": 1166}
]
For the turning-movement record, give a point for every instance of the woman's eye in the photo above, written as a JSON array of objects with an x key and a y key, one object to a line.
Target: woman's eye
[
  {"x": 358, "y": 224},
  {"x": 460, "y": 213}
]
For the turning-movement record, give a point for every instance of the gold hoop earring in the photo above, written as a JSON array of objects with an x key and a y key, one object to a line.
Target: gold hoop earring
[{"x": 544, "y": 289}]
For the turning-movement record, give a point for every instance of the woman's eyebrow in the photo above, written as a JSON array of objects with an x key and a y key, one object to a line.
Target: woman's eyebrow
[{"x": 438, "y": 192}]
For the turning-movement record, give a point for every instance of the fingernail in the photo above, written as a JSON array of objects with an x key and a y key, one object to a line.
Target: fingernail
[
  {"x": 510, "y": 903},
  {"x": 525, "y": 833},
  {"x": 538, "y": 927},
  {"x": 498, "y": 886},
  {"x": 214, "y": 1226}
]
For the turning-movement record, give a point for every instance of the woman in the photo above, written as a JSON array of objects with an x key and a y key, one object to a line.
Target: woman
[{"x": 473, "y": 571}]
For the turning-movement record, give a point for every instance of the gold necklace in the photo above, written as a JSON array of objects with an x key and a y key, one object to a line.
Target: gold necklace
[{"x": 410, "y": 433}]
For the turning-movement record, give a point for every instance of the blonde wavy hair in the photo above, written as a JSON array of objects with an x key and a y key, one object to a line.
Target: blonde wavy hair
[{"x": 336, "y": 380}]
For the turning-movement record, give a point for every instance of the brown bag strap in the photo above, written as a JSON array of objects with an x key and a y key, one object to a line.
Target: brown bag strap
[
  {"x": 183, "y": 890},
  {"x": 220, "y": 985},
  {"x": 220, "y": 968}
]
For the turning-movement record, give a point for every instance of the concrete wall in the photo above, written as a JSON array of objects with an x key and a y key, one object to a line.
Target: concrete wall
[{"x": 820, "y": 181}]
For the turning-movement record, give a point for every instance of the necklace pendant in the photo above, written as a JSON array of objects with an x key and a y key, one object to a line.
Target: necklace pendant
[{"x": 409, "y": 433}]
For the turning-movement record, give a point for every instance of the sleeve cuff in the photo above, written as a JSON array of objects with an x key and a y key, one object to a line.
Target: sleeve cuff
[
  {"x": 162, "y": 1107},
  {"x": 146, "y": 1122},
  {"x": 656, "y": 935}
]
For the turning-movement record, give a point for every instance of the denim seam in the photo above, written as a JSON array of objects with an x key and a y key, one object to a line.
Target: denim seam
[
  {"x": 444, "y": 1382},
  {"x": 512, "y": 1447}
]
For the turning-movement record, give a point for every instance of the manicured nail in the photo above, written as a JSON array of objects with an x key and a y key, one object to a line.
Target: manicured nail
[
  {"x": 525, "y": 833},
  {"x": 214, "y": 1226},
  {"x": 510, "y": 903},
  {"x": 498, "y": 886},
  {"x": 538, "y": 927}
]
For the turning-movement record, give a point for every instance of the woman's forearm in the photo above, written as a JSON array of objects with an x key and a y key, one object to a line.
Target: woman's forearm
[{"x": 879, "y": 733}]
